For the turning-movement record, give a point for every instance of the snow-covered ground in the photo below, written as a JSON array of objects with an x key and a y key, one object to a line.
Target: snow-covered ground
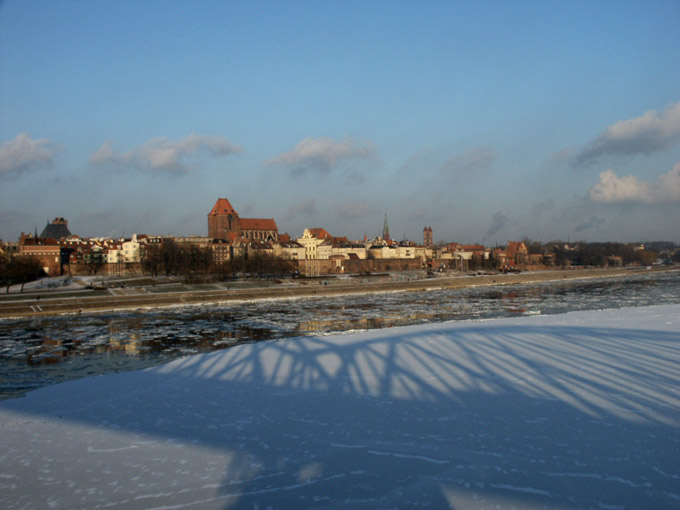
[{"x": 580, "y": 410}]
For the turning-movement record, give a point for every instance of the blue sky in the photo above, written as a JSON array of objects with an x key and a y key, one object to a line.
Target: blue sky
[{"x": 489, "y": 121}]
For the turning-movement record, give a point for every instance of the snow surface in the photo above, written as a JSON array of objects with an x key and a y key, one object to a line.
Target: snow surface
[{"x": 580, "y": 410}]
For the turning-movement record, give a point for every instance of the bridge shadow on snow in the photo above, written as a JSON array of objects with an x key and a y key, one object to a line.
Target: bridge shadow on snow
[{"x": 449, "y": 415}]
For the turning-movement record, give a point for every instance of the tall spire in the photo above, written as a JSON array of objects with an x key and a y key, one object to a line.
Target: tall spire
[{"x": 386, "y": 230}]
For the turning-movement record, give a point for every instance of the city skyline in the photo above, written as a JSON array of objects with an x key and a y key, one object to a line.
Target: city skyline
[{"x": 489, "y": 122}]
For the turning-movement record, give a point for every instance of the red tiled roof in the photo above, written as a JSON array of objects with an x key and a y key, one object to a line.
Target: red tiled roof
[
  {"x": 258, "y": 224},
  {"x": 515, "y": 247},
  {"x": 472, "y": 247},
  {"x": 320, "y": 233},
  {"x": 222, "y": 206}
]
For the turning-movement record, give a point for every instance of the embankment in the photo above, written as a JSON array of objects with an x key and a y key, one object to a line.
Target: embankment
[{"x": 47, "y": 305}]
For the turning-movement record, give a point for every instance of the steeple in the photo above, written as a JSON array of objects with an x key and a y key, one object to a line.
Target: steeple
[
  {"x": 223, "y": 220},
  {"x": 427, "y": 237},
  {"x": 386, "y": 230}
]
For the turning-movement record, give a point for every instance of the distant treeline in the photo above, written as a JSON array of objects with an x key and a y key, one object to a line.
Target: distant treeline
[
  {"x": 599, "y": 254},
  {"x": 192, "y": 261}
]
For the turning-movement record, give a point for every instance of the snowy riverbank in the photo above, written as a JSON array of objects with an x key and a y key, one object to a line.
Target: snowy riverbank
[{"x": 569, "y": 411}]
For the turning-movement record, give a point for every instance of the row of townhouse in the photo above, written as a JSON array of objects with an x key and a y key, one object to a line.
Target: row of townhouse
[
  {"x": 316, "y": 244},
  {"x": 104, "y": 250},
  {"x": 230, "y": 236},
  {"x": 464, "y": 257},
  {"x": 76, "y": 255}
]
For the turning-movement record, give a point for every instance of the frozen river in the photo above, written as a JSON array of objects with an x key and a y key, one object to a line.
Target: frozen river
[
  {"x": 43, "y": 351},
  {"x": 553, "y": 412}
]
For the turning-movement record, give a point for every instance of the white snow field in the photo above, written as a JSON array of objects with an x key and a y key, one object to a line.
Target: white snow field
[{"x": 572, "y": 411}]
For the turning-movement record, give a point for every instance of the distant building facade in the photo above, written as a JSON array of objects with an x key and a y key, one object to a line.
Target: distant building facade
[
  {"x": 517, "y": 253},
  {"x": 46, "y": 251},
  {"x": 226, "y": 224},
  {"x": 310, "y": 243},
  {"x": 428, "y": 241}
]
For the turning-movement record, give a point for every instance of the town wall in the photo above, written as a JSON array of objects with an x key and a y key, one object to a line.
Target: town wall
[
  {"x": 356, "y": 266},
  {"x": 106, "y": 269}
]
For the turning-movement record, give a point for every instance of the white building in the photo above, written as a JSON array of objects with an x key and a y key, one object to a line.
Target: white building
[
  {"x": 131, "y": 249},
  {"x": 311, "y": 245},
  {"x": 290, "y": 250}
]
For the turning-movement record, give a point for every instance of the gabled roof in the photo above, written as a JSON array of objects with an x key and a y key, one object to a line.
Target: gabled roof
[
  {"x": 258, "y": 224},
  {"x": 222, "y": 207},
  {"x": 515, "y": 247},
  {"x": 259, "y": 245},
  {"x": 290, "y": 244},
  {"x": 320, "y": 233}
]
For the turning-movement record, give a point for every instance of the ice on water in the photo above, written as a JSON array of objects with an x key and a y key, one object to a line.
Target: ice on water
[
  {"x": 579, "y": 410},
  {"x": 37, "y": 352}
]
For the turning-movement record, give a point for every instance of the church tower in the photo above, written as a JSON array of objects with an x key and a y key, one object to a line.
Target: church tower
[
  {"x": 386, "y": 230},
  {"x": 223, "y": 220},
  {"x": 427, "y": 237}
]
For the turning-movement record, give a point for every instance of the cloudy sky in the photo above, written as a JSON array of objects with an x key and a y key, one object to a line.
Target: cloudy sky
[{"x": 489, "y": 121}]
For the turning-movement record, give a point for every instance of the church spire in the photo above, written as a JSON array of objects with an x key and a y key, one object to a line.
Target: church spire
[{"x": 386, "y": 230}]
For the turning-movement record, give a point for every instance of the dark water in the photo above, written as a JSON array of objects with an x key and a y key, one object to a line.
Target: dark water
[{"x": 44, "y": 351}]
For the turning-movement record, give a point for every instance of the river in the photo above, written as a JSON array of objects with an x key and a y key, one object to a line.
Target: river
[{"x": 38, "y": 352}]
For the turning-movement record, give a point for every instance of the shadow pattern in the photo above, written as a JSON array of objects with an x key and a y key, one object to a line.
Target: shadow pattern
[{"x": 458, "y": 415}]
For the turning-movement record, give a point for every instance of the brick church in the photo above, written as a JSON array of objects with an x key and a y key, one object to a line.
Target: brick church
[{"x": 225, "y": 223}]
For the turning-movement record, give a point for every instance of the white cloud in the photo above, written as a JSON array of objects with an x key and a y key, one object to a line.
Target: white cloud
[
  {"x": 614, "y": 189},
  {"x": 668, "y": 185},
  {"x": 160, "y": 154},
  {"x": 648, "y": 133},
  {"x": 23, "y": 154},
  {"x": 323, "y": 154}
]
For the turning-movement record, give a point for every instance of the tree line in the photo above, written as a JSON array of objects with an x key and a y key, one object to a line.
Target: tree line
[
  {"x": 196, "y": 262},
  {"x": 595, "y": 254},
  {"x": 19, "y": 270}
]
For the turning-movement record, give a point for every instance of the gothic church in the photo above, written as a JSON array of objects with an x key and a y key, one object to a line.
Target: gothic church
[{"x": 224, "y": 223}]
